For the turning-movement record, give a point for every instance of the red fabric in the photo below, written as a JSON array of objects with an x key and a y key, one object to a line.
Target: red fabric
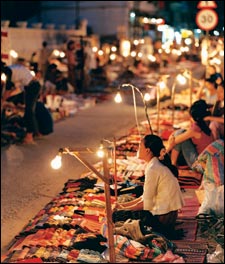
[
  {"x": 32, "y": 260},
  {"x": 4, "y": 34},
  {"x": 166, "y": 133}
]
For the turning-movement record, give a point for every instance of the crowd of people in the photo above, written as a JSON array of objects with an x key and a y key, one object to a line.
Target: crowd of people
[{"x": 27, "y": 85}]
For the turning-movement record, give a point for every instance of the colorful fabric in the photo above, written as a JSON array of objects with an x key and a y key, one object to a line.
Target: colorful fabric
[
  {"x": 211, "y": 163},
  {"x": 134, "y": 250},
  {"x": 90, "y": 256}
]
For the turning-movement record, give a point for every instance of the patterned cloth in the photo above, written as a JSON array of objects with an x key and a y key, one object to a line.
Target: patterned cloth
[
  {"x": 211, "y": 163},
  {"x": 151, "y": 246}
]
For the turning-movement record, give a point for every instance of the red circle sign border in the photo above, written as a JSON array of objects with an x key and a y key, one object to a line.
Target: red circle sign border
[{"x": 202, "y": 27}]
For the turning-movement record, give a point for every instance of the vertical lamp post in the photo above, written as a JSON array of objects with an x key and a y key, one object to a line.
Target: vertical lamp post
[
  {"x": 182, "y": 80},
  {"x": 190, "y": 85},
  {"x": 114, "y": 164},
  {"x": 56, "y": 164},
  {"x": 188, "y": 74},
  {"x": 118, "y": 99},
  {"x": 158, "y": 106}
]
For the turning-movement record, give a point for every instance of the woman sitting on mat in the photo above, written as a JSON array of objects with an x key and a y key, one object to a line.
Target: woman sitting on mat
[
  {"x": 191, "y": 142},
  {"x": 158, "y": 206}
]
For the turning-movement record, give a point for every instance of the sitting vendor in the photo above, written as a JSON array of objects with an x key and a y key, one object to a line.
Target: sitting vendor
[{"x": 158, "y": 206}]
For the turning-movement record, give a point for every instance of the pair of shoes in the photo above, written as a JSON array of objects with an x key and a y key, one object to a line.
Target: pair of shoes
[
  {"x": 131, "y": 229},
  {"x": 204, "y": 216}
]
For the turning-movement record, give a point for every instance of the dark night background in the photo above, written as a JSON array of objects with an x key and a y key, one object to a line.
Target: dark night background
[{"x": 23, "y": 10}]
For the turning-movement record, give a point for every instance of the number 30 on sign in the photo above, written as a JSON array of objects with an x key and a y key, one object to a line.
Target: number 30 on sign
[{"x": 206, "y": 19}]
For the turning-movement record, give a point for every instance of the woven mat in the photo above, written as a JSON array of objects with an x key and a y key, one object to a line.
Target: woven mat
[
  {"x": 189, "y": 179},
  {"x": 192, "y": 251},
  {"x": 190, "y": 208},
  {"x": 189, "y": 228}
]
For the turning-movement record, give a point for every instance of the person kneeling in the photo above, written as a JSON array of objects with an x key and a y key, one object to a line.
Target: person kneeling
[{"x": 158, "y": 206}]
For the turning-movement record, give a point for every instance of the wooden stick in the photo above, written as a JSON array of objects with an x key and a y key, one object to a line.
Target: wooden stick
[{"x": 112, "y": 256}]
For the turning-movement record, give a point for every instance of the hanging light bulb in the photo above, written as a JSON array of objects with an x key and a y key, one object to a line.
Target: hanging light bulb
[
  {"x": 147, "y": 97},
  {"x": 3, "y": 77},
  {"x": 56, "y": 163},
  {"x": 33, "y": 73},
  {"x": 181, "y": 79},
  {"x": 100, "y": 152},
  {"x": 118, "y": 98}
]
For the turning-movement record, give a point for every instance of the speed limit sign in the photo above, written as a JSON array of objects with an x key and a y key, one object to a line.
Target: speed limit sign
[{"x": 206, "y": 19}]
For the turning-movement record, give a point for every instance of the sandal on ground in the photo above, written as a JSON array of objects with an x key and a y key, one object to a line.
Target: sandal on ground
[{"x": 204, "y": 216}]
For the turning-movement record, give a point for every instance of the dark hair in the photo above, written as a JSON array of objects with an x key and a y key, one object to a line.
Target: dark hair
[
  {"x": 71, "y": 42},
  {"x": 137, "y": 62},
  {"x": 21, "y": 60},
  {"x": 212, "y": 81},
  {"x": 198, "y": 111},
  {"x": 52, "y": 66},
  {"x": 8, "y": 72},
  {"x": 44, "y": 43},
  {"x": 155, "y": 144}
]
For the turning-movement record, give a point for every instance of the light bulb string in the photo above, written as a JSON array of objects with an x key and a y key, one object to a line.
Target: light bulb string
[{"x": 145, "y": 106}]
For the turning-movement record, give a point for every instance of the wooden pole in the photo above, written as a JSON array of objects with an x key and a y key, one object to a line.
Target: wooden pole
[
  {"x": 173, "y": 98},
  {"x": 158, "y": 108},
  {"x": 115, "y": 169},
  {"x": 191, "y": 88},
  {"x": 89, "y": 166},
  {"x": 112, "y": 256},
  {"x": 105, "y": 179},
  {"x": 208, "y": 44}
]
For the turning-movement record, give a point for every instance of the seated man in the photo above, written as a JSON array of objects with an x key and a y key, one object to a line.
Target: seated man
[{"x": 55, "y": 82}]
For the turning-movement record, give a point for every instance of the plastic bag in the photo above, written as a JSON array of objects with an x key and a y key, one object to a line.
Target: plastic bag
[
  {"x": 213, "y": 203},
  {"x": 217, "y": 256}
]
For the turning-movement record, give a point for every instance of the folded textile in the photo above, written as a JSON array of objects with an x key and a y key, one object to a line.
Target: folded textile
[{"x": 90, "y": 256}]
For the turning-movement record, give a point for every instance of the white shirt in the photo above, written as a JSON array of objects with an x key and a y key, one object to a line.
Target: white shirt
[
  {"x": 162, "y": 192},
  {"x": 21, "y": 76}
]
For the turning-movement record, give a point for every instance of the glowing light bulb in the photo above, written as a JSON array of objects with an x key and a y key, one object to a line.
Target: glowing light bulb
[
  {"x": 56, "y": 52},
  {"x": 3, "y": 77},
  {"x": 62, "y": 54},
  {"x": 33, "y": 73},
  {"x": 181, "y": 79},
  {"x": 112, "y": 56},
  {"x": 94, "y": 49},
  {"x": 56, "y": 163},
  {"x": 100, "y": 152},
  {"x": 118, "y": 98},
  {"x": 147, "y": 97},
  {"x": 162, "y": 85},
  {"x": 13, "y": 54}
]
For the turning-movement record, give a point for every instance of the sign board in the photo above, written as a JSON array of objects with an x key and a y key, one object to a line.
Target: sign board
[
  {"x": 206, "y": 19},
  {"x": 207, "y": 4}
]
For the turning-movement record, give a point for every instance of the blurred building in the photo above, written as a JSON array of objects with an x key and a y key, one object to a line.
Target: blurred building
[{"x": 108, "y": 18}]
